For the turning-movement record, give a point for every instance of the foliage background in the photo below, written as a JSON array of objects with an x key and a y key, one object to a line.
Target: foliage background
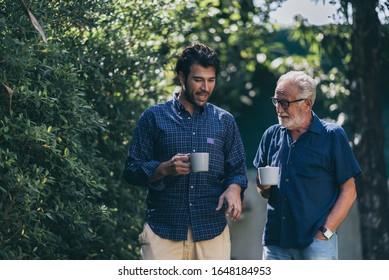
[{"x": 68, "y": 107}]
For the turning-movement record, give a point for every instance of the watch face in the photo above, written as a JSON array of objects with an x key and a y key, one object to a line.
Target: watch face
[{"x": 327, "y": 233}]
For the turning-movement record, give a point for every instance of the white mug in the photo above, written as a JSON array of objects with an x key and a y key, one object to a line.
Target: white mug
[
  {"x": 268, "y": 175},
  {"x": 199, "y": 162}
]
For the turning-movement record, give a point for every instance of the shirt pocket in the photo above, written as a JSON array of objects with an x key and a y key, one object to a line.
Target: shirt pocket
[{"x": 310, "y": 164}]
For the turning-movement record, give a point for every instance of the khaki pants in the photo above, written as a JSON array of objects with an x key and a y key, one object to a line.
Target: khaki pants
[{"x": 154, "y": 247}]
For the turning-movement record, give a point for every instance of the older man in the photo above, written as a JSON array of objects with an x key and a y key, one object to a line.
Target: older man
[{"x": 316, "y": 187}]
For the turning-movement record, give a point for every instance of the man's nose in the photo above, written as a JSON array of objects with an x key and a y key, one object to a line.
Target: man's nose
[
  {"x": 205, "y": 86},
  {"x": 279, "y": 108}
]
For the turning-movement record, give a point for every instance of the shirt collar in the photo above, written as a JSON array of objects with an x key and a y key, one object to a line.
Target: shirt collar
[
  {"x": 180, "y": 107},
  {"x": 177, "y": 104},
  {"x": 316, "y": 125}
]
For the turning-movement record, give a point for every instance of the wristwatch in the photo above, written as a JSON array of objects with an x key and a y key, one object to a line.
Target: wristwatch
[{"x": 326, "y": 232}]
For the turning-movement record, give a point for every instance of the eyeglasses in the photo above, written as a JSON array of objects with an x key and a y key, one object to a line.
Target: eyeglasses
[{"x": 284, "y": 104}]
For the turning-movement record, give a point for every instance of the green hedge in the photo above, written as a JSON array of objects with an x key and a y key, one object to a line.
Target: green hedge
[{"x": 68, "y": 109}]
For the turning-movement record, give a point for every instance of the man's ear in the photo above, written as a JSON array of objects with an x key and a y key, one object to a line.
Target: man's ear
[
  {"x": 309, "y": 103},
  {"x": 181, "y": 77}
]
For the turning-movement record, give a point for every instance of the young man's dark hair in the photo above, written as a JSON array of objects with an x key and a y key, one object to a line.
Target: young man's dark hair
[{"x": 200, "y": 54}]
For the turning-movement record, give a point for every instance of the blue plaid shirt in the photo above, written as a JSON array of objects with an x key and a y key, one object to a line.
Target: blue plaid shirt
[{"x": 174, "y": 202}]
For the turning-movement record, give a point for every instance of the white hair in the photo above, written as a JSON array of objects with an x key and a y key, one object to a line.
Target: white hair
[{"x": 306, "y": 84}]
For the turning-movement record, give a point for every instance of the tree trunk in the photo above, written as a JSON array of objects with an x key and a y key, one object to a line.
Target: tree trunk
[{"x": 366, "y": 95}]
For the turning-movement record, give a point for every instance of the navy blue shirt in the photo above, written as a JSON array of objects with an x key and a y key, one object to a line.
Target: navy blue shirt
[
  {"x": 312, "y": 169},
  {"x": 174, "y": 202}
]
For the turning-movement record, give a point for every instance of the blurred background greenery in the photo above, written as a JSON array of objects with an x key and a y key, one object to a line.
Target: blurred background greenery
[{"x": 76, "y": 75}]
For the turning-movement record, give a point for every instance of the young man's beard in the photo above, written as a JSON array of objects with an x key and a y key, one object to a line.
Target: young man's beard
[{"x": 190, "y": 98}]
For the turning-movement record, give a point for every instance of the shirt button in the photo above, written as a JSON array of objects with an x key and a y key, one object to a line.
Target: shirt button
[
  {"x": 190, "y": 204},
  {"x": 287, "y": 180},
  {"x": 191, "y": 187},
  {"x": 194, "y": 133},
  {"x": 193, "y": 150},
  {"x": 283, "y": 218}
]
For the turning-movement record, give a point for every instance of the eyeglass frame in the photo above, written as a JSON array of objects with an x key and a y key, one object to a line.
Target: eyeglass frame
[{"x": 284, "y": 103}]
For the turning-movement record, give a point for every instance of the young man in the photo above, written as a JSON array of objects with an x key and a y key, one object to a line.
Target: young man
[
  {"x": 186, "y": 211},
  {"x": 316, "y": 187}
]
